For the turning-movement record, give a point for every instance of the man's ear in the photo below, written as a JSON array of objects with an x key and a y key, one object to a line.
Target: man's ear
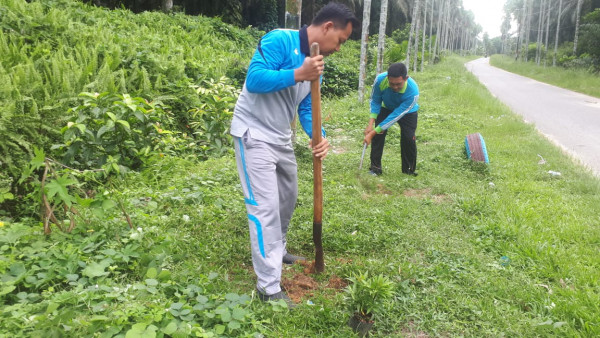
[{"x": 327, "y": 26}]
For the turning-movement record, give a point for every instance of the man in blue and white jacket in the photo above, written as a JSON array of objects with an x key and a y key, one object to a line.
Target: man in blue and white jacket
[
  {"x": 394, "y": 99},
  {"x": 278, "y": 83}
]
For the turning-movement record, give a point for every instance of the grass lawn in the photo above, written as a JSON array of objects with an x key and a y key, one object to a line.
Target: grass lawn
[
  {"x": 504, "y": 249},
  {"x": 572, "y": 79}
]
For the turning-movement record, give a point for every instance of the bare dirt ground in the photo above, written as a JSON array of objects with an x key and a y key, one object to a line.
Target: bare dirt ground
[{"x": 301, "y": 286}]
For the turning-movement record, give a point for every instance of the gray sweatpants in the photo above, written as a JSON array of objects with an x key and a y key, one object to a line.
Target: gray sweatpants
[{"x": 269, "y": 177}]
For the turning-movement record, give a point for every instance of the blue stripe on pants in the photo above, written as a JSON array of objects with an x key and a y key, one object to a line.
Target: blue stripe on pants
[
  {"x": 259, "y": 234},
  {"x": 250, "y": 200}
]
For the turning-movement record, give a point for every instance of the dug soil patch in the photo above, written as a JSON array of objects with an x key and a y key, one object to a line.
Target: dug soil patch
[
  {"x": 425, "y": 193},
  {"x": 300, "y": 285}
]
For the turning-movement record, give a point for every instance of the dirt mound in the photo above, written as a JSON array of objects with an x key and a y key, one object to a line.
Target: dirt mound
[{"x": 299, "y": 285}]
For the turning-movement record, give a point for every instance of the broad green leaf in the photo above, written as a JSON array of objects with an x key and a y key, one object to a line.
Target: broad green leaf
[
  {"x": 164, "y": 275},
  {"x": 141, "y": 330},
  {"x": 151, "y": 282},
  {"x": 219, "y": 329},
  {"x": 239, "y": 313},
  {"x": 151, "y": 273},
  {"x": 225, "y": 314},
  {"x": 7, "y": 289},
  {"x": 81, "y": 127},
  {"x": 170, "y": 328},
  {"x": 39, "y": 158},
  {"x": 140, "y": 116},
  {"x": 108, "y": 204},
  {"x": 60, "y": 187},
  {"x": 234, "y": 325},
  {"x": 232, "y": 297},
  {"x": 103, "y": 130},
  {"x": 52, "y": 307},
  {"x": 72, "y": 277},
  {"x": 96, "y": 269},
  {"x": 112, "y": 116},
  {"x": 17, "y": 269},
  {"x": 124, "y": 124},
  {"x": 176, "y": 306}
]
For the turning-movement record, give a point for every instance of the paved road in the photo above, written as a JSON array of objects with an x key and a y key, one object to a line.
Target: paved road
[{"x": 569, "y": 119}]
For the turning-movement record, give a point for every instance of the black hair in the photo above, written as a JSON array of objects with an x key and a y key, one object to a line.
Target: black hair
[
  {"x": 397, "y": 69},
  {"x": 338, "y": 13}
]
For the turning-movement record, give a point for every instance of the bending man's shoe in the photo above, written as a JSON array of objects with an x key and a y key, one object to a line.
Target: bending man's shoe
[
  {"x": 275, "y": 297},
  {"x": 375, "y": 171},
  {"x": 288, "y": 258}
]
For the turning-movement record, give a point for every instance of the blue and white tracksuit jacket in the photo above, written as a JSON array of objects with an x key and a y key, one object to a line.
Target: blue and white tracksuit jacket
[
  {"x": 264, "y": 153},
  {"x": 401, "y": 103}
]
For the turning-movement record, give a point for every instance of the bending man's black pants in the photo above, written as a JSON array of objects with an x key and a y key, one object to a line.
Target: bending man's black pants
[{"x": 408, "y": 144}]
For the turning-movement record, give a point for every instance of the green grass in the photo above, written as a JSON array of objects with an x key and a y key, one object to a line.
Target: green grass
[
  {"x": 573, "y": 79},
  {"x": 440, "y": 237}
]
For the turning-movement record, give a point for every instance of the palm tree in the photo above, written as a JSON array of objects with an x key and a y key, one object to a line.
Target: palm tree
[
  {"x": 577, "y": 27},
  {"x": 412, "y": 30},
  {"x": 431, "y": 29},
  {"x": 363, "y": 50},
  {"x": 547, "y": 32},
  {"x": 540, "y": 34},
  {"x": 438, "y": 33},
  {"x": 381, "y": 42},
  {"x": 557, "y": 31},
  {"x": 416, "y": 46},
  {"x": 424, "y": 30}
]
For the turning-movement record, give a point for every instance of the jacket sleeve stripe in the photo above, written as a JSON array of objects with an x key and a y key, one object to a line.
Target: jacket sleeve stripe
[{"x": 391, "y": 123}]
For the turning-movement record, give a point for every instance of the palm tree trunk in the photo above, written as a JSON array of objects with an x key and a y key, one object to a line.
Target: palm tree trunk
[
  {"x": 528, "y": 28},
  {"x": 381, "y": 42},
  {"x": 521, "y": 30},
  {"x": 557, "y": 30},
  {"x": 166, "y": 5},
  {"x": 438, "y": 33},
  {"x": 363, "y": 50},
  {"x": 577, "y": 27},
  {"x": 547, "y": 33},
  {"x": 416, "y": 46},
  {"x": 412, "y": 30},
  {"x": 431, "y": 29},
  {"x": 538, "y": 41},
  {"x": 424, "y": 30},
  {"x": 448, "y": 27}
]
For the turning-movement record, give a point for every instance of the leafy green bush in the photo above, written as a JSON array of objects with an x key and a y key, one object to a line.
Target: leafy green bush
[
  {"x": 396, "y": 52},
  {"x": 340, "y": 76},
  {"x": 583, "y": 61},
  {"x": 54, "y": 49},
  {"x": 209, "y": 122},
  {"x": 106, "y": 126},
  {"x": 532, "y": 50}
]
